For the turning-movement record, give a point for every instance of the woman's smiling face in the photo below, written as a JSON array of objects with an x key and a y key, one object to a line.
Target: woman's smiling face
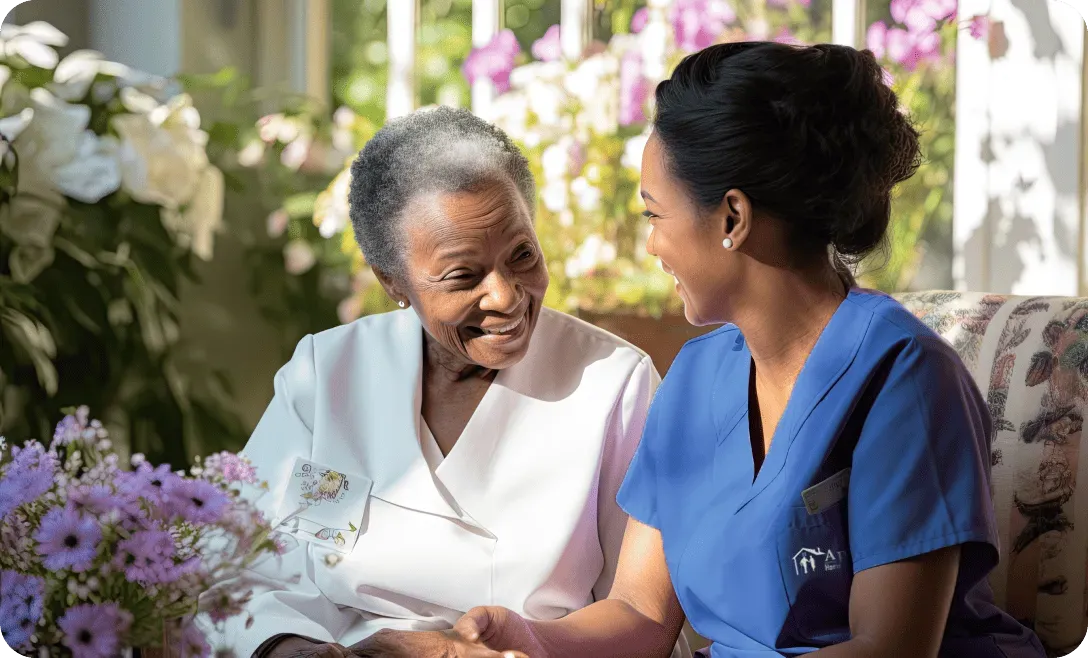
[
  {"x": 684, "y": 239},
  {"x": 474, "y": 272}
]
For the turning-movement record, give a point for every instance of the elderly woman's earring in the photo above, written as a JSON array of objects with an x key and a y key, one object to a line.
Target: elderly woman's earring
[
  {"x": 400, "y": 303},
  {"x": 727, "y": 243}
]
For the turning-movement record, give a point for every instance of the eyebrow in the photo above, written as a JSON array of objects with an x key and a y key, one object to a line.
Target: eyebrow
[{"x": 647, "y": 195}]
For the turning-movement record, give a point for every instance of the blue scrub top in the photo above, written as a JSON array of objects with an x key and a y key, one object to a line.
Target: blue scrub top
[{"x": 755, "y": 572}]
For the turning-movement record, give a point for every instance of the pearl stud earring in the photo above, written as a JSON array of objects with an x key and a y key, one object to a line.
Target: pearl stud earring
[
  {"x": 727, "y": 243},
  {"x": 400, "y": 304}
]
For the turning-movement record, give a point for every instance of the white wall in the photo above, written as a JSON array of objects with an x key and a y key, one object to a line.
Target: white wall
[{"x": 1018, "y": 225}]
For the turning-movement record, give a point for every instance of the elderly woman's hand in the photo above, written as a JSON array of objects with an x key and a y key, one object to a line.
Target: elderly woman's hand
[{"x": 424, "y": 644}]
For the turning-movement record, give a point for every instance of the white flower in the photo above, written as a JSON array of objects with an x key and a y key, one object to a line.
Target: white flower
[
  {"x": 162, "y": 154},
  {"x": 251, "y": 154},
  {"x": 94, "y": 173},
  {"x": 3, "y": 444},
  {"x": 532, "y": 138},
  {"x": 137, "y": 102},
  {"x": 331, "y": 211},
  {"x": 76, "y": 73},
  {"x": 510, "y": 112},
  {"x": 33, "y": 42},
  {"x": 593, "y": 252},
  {"x": 554, "y": 196},
  {"x": 632, "y": 152},
  {"x": 585, "y": 81},
  {"x": 586, "y": 195},
  {"x": 535, "y": 72},
  {"x": 298, "y": 257},
  {"x": 52, "y": 138},
  {"x": 57, "y": 151},
  {"x": 556, "y": 161},
  {"x": 545, "y": 100},
  {"x": 11, "y": 127},
  {"x": 279, "y": 128},
  {"x": 343, "y": 117},
  {"x": 295, "y": 153},
  {"x": 202, "y": 217}
]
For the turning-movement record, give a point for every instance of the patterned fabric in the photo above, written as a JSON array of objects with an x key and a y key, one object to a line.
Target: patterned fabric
[{"x": 1029, "y": 356}]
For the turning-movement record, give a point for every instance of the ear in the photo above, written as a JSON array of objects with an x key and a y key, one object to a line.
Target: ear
[
  {"x": 389, "y": 284},
  {"x": 736, "y": 217}
]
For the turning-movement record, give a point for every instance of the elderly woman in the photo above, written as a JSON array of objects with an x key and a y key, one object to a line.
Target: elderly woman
[
  {"x": 466, "y": 450},
  {"x": 814, "y": 476}
]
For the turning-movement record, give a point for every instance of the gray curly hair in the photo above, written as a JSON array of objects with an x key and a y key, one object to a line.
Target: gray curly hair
[{"x": 442, "y": 150}]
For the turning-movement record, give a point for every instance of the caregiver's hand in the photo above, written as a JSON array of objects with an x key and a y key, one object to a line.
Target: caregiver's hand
[
  {"x": 424, "y": 644},
  {"x": 298, "y": 647},
  {"x": 497, "y": 627}
]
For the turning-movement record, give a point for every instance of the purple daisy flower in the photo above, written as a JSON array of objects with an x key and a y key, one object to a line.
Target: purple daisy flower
[
  {"x": 27, "y": 477},
  {"x": 96, "y": 499},
  {"x": 196, "y": 501},
  {"x": 20, "y": 606},
  {"x": 68, "y": 540},
  {"x": 146, "y": 482},
  {"x": 146, "y": 557},
  {"x": 94, "y": 631}
]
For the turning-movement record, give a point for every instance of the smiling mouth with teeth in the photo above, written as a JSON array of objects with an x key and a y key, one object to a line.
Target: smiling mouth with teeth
[{"x": 504, "y": 329}]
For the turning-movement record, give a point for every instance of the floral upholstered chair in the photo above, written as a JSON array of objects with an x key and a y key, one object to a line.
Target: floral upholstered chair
[{"x": 1029, "y": 357}]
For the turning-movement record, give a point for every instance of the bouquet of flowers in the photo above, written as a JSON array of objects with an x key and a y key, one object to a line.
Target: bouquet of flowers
[{"x": 95, "y": 559}]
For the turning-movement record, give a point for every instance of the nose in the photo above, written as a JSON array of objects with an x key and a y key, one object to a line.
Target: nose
[
  {"x": 502, "y": 294},
  {"x": 650, "y": 242}
]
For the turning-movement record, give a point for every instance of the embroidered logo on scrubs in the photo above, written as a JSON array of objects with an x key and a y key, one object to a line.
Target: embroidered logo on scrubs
[
  {"x": 808, "y": 561},
  {"x": 323, "y": 505}
]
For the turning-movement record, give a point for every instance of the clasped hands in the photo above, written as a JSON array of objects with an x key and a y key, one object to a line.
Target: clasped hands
[{"x": 476, "y": 635}]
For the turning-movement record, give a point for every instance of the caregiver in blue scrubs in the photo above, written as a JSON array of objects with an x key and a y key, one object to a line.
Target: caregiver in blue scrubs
[{"x": 814, "y": 475}]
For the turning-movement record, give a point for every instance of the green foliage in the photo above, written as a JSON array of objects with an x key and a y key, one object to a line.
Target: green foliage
[{"x": 90, "y": 294}]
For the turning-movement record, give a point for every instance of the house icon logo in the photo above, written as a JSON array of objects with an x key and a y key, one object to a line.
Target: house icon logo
[{"x": 804, "y": 561}]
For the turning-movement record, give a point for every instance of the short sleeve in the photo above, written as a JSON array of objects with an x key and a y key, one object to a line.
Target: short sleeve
[
  {"x": 637, "y": 494},
  {"x": 624, "y": 434},
  {"x": 919, "y": 479}
]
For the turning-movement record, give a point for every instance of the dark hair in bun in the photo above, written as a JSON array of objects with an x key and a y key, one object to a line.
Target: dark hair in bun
[{"x": 812, "y": 135}]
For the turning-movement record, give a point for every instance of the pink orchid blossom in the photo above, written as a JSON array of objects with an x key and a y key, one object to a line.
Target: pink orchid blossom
[
  {"x": 493, "y": 62},
  {"x": 548, "y": 48},
  {"x": 634, "y": 89},
  {"x": 698, "y": 23}
]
